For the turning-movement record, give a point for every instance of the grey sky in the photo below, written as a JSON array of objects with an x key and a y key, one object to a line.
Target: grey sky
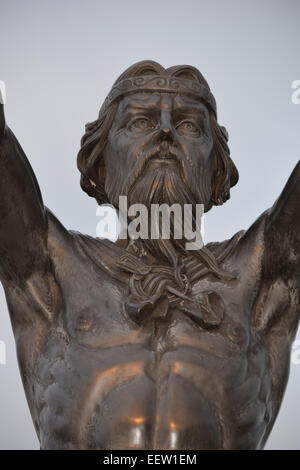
[{"x": 59, "y": 59}]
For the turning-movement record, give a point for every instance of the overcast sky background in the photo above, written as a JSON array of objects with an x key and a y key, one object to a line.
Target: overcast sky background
[{"x": 59, "y": 58}]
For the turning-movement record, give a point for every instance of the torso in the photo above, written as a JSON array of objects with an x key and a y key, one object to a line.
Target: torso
[{"x": 96, "y": 379}]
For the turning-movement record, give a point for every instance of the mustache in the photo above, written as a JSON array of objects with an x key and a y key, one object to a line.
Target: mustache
[{"x": 160, "y": 150}]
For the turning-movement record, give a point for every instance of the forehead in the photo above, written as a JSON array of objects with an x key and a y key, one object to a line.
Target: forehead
[{"x": 161, "y": 100}]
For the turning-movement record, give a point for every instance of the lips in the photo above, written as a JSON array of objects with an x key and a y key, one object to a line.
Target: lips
[
  {"x": 159, "y": 156},
  {"x": 163, "y": 157}
]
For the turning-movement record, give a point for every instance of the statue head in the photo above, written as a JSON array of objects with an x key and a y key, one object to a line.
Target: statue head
[{"x": 157, "y": 140}]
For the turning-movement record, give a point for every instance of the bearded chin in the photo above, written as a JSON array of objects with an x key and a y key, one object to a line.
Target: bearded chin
[{"x": 165, "y": 186}]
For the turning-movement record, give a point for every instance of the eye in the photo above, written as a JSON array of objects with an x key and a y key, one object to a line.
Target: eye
[
  {"x": 141, "y": 125},
  {"x": 188, "y": 127}
]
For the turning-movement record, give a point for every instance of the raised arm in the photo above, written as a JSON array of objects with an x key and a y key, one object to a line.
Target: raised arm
[
  {"x": 23, "y": 228},
  {"x": 277, "y": 307},
  {"x": 278, "y": 303},
  {"x": 282, "y": 233}
]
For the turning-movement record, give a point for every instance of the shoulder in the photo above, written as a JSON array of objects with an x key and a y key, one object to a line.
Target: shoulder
[
  {"x": 244, "y": 249},
  {"x": 70, "y": 250}
]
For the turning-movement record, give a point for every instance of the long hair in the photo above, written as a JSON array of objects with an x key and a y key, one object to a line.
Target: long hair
[
  {"x": 174, "y": 278},
  {"x": 90, "y": 161}
]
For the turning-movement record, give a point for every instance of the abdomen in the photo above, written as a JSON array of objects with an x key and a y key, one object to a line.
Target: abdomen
[
  {"x": 127, "y": 407},
  {"x": 186, "y": 400}
]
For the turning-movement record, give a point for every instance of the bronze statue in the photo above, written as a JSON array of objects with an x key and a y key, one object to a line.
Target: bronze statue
[{"x": 141, "y": 343}]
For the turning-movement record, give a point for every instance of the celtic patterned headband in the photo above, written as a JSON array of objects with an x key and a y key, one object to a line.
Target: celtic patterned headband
[{"x": 160, "y": 83}]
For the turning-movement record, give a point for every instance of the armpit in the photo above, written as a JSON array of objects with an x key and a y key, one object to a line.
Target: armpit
[{"x": 273, "y": 301}]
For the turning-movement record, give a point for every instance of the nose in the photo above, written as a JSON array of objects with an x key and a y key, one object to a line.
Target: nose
[
  {"x": 165, "y": 121},
  {"x": 166, "y": 130}
]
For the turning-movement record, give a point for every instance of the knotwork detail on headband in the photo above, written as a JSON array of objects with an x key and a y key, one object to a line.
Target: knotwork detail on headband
[{"x": 160, "y": 83}]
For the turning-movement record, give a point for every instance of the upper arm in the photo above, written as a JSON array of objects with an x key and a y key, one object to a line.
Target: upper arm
[
  {"x": 23, "y": 226},
  {"x": 26, "y": 269},
  {"x": 276, "y": 309},
  {"x": 282, "y": 232}
]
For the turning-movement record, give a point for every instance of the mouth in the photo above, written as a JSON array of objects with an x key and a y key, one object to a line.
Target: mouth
[
  {"x": 156, "y": 158},
  {"x": 163, "y": 159}
]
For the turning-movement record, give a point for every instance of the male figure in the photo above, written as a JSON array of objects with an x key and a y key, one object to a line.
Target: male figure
[{"x": 144, "y": 344}]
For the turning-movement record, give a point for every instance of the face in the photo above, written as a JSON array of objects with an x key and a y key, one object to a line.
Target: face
[{"x": 163, "y": 133}]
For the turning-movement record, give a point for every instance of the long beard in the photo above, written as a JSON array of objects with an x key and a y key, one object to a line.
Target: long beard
[
  {"x": 164, "y": 185},
  {"x": 168, "y": 183},
  {"x": 176, "y": 269}
]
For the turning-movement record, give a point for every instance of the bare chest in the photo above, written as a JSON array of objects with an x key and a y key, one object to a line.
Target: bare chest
[{"x": 168, "y": 381}]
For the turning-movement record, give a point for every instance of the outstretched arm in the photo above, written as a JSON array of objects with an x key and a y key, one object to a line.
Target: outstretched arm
[
  {"x": 23, "y": 226},
  {"x": 277, "y": 307},
  {"x": 282, "y": 232}
]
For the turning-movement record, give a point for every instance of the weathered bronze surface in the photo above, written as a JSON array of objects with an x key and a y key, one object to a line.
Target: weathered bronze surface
[{"x": 144, "y": 344}]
